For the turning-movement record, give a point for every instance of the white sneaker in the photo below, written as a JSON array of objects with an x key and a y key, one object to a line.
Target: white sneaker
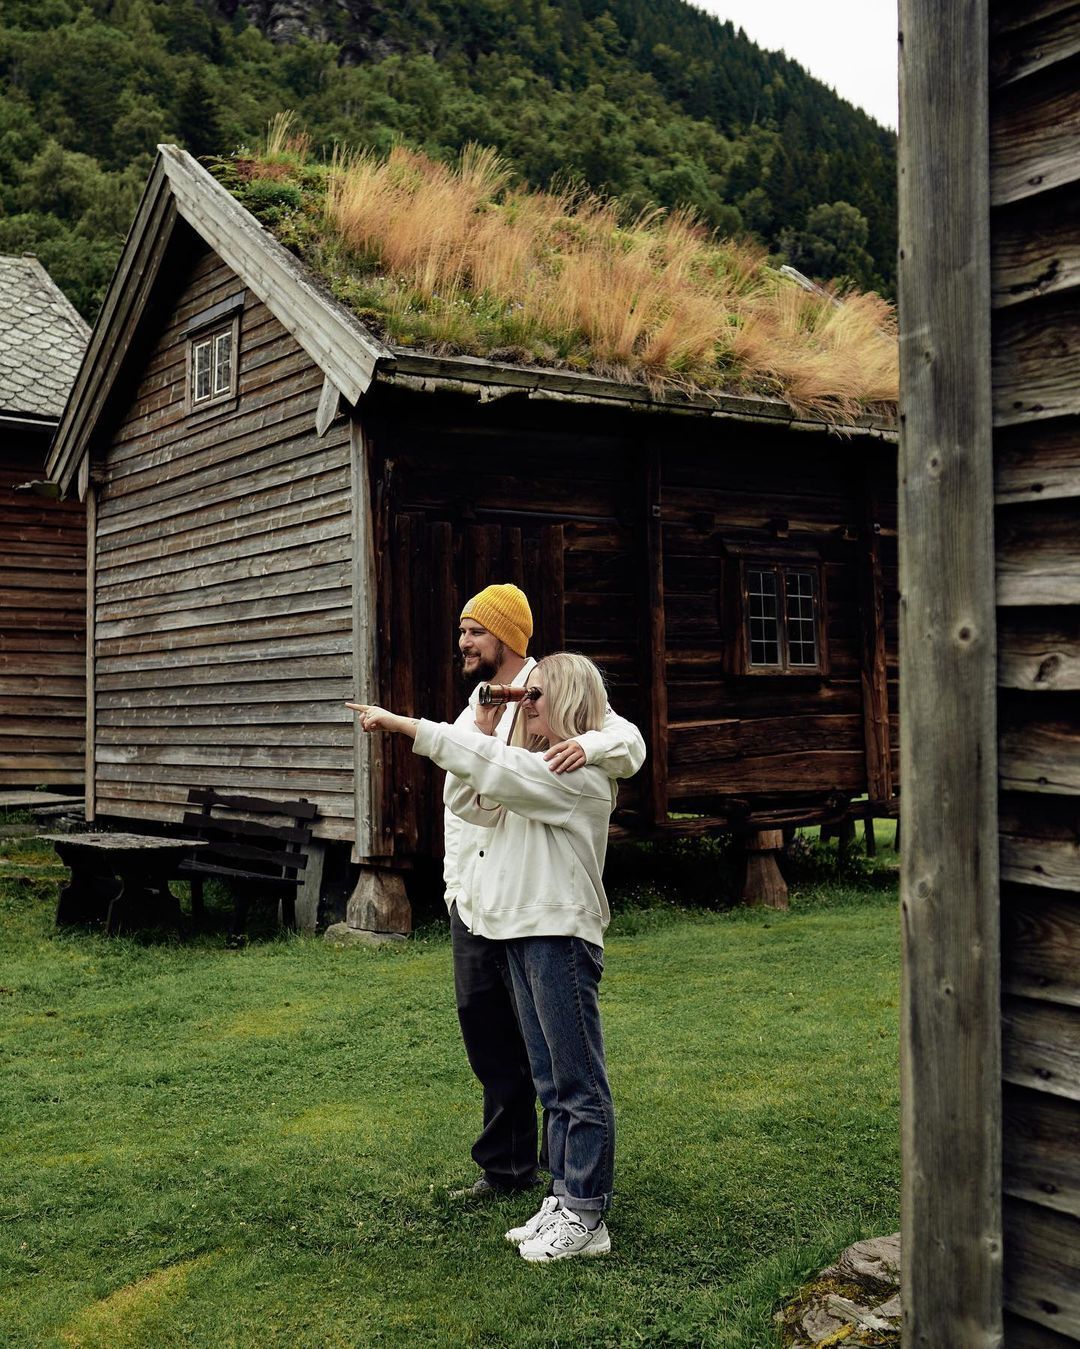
[
  {"x": 564, "y": 1237},
  {"x": 546, "y": 1214}
]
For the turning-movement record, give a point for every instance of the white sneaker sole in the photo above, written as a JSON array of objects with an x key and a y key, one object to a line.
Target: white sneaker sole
[
  {"x": 517, "y": 1236},
  {"x": 543, "y": 1258}
]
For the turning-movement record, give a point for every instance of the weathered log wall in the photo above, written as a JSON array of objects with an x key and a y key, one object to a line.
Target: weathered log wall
[
  {"x": 223, "y": 617},
  {"x": 42, "y": 629},
  {"x": 1035, "y": 270},
  {"x": 597, "y": 515}
]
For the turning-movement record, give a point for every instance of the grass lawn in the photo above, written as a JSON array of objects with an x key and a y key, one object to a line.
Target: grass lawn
[{"x": 254, "y": 1147}]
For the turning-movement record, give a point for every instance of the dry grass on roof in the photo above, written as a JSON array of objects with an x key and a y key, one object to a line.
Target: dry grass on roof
[{"x": 459, "y": 259}]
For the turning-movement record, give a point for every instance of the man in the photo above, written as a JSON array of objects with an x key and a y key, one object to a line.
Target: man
[{"x": 493, "y": 639}]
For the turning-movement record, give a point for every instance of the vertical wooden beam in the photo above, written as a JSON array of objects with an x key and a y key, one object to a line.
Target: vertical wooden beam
[
  {"x": 405, "y": 822},
  {"x": 552, "y": 586},
  {"x": 950, "y": 1040},
  {"x": 309, "y": 891},
  {"x": 368, "y": 836},
  {"x": 874, "y": 669},
  {"x": 91, "y": 605},
  {"x": 485, "y": 558},
  {"x": 445, "y": 606},
  {"x": 513, "y": 557},
  {"x": 426, "y": 655},
  {"x": 654, "y": 683},
  {"x": 447, "y": 695},
  {"x": 382, "y": 508}
]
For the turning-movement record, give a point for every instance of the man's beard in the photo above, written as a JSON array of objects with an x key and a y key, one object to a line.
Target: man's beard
[{"x": 484, "y": 672}]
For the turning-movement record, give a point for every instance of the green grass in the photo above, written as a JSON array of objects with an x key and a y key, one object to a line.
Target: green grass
[{"x": 253, "y": 1147}]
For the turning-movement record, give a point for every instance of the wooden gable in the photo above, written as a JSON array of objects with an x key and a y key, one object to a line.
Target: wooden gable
[{"x": 221, "y": 568}]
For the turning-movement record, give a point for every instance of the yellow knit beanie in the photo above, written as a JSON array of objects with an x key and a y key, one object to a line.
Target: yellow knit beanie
[{"x": 505, "y": 612}]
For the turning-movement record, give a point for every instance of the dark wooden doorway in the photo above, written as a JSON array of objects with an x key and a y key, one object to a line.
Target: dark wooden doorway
[{"x": 427, "y": 569}]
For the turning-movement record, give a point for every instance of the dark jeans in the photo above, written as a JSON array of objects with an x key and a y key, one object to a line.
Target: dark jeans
[
  {"x": 506, "y": 1149},
  {"x": 556, "y": 985}
]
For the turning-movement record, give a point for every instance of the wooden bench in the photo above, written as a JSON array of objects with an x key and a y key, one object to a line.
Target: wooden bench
[{"x": 260, "y": 860}]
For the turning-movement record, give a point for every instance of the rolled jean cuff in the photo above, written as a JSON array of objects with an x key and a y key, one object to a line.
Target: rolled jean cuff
[
  {"x": 599, "y": 1204},
  {"x": 558, "y": 1187}
]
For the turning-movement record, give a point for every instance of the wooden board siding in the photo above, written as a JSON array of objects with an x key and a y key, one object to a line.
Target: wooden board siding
[
  {"x": 563, "y": 504},
  {"x": 42, "y": 629},
  {"x": 1035, "y": 263},
  {"x": 223, "y": 605}
]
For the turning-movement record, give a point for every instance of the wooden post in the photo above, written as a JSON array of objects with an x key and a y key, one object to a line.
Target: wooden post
[
  {"x": 873, "y": 671},
  {"x": 378, "y": 910},
  {"x": 405, "y": 823},
  {"x": 654, "y": 683},
  {"x": 950, "y": 1040},
  {"x": 367, "y": 787},
  {"x": 309, "y": 889},
  {"x": 764, "y": 884},
  {"x": 552, "y": 605},
  {"x": 91, "y": 605}
]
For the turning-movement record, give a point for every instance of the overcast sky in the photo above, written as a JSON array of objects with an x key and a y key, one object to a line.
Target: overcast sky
[{"x": 848, "y": 44}]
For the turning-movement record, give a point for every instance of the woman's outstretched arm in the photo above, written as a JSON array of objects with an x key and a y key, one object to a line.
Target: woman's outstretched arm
[{"x": 508, "y": 775}]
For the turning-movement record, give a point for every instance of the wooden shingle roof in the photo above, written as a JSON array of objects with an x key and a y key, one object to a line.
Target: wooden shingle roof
[{"x": 42, "y": 340}]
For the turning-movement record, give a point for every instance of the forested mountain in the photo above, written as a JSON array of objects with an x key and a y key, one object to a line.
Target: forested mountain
[{"x": 651, "y": 100}]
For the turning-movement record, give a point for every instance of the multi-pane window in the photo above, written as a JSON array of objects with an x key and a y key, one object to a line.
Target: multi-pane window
[
  {"x": 783, "y": 611},
  {"x": 763, "y": 612},
  {"x": 212, "y": 366}
]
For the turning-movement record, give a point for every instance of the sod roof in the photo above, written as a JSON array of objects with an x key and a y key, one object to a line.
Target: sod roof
[{"x": 458, "y": 260}]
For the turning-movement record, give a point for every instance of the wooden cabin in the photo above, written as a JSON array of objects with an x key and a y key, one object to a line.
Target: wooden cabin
[
  {"x": 42, "y": 540},
  {"x": 284, "y": 512},
  {"x": 990, "y": 577}
]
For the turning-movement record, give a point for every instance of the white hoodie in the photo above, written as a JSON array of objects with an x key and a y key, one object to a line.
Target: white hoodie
[
  {"x": 543, "y": 835},
  {"x": 617, "y": 748}
]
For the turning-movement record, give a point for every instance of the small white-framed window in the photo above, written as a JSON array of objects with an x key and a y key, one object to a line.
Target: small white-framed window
[
  {"x": 212, "y": 343},
  {"x": 213, "y": 363}
]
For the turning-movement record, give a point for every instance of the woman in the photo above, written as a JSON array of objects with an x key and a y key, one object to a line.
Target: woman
[{"x": 539, "y": 888}]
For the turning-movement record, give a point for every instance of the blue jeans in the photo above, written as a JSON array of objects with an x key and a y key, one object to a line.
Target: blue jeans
[{"x": 556, "y": 982}]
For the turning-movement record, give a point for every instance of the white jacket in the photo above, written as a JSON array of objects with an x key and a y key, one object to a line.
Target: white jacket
[
  {"x": 544, "y": 835},
  {"x": 617, "y": 748}
]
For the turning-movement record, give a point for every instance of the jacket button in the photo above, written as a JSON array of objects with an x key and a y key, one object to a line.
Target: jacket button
[{"x": 481, "y": 852}]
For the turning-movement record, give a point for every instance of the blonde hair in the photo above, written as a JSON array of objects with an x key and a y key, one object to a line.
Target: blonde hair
[{"x": 575, "y": 697}]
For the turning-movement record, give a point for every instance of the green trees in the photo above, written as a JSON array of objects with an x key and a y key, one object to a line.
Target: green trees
[
  {"x": 832, "y": 243},
  {"x": 650, "y": 99}
]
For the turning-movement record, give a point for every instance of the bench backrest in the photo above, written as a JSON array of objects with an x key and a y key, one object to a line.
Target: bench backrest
[{"x": 272, "y": 853}]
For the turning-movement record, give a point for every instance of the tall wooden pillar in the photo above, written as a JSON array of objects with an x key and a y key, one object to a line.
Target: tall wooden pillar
[
  {"x": 950, "y": 1035},
  {"x": 874, "y": 670}
]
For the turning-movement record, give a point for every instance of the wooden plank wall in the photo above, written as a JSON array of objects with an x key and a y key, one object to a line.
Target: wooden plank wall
[
  {"x": 42, "y": 629},
  {"x": 1035, "y": 276},
  {"x": 223, "y": 598},
  {"x": 485, "y": 494}
]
